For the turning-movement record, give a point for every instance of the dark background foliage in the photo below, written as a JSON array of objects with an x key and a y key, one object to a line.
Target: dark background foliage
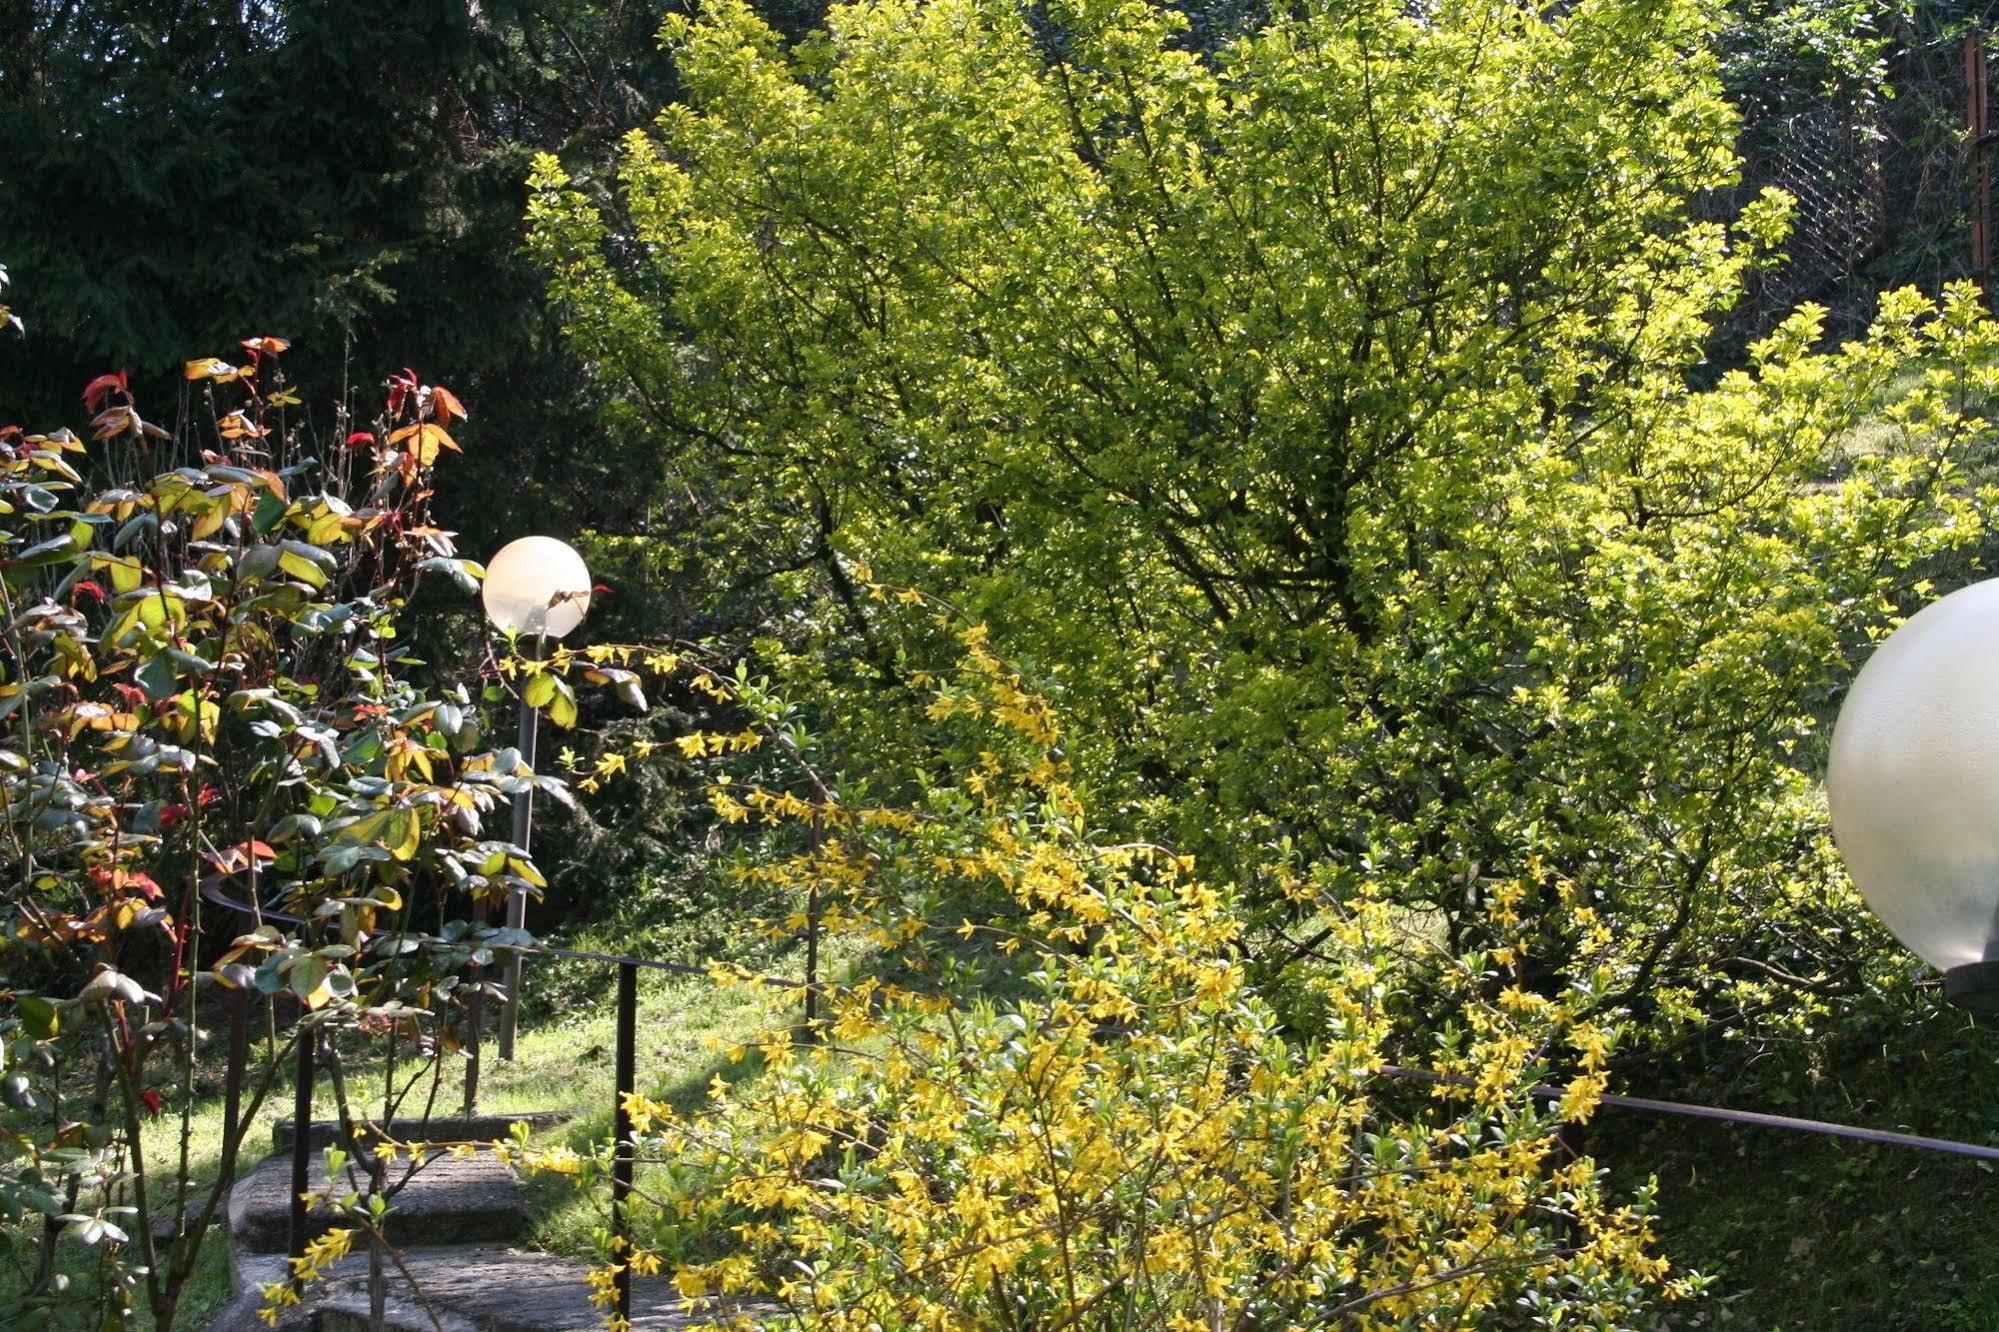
[{"x": 344, "y": 173}]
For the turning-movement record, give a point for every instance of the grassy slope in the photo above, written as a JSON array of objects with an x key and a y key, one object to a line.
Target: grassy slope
[{"x": 1803, "y": 1231}]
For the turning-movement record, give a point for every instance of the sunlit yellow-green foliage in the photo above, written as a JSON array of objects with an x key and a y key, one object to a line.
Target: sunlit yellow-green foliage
[
  {"x": 1128, "y": 1139},
  {"x": 1326, "y": 424}
]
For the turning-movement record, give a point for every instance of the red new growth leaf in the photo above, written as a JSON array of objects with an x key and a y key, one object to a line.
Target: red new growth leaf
[
  {"x": 89, "y": 587},
  {"x": 94, "y": 391},
  {"x": 600, "y": 589},
  {"x": 361, "y": 439},
  {"x": 401, "y": 386},
  {"x": 444, "y": 405},
  {"x": 114, "y": 883},
  {"x": 151, "y": 1100}
]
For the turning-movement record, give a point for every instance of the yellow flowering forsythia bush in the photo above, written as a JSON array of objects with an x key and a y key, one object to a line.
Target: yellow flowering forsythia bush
[{"x": 1064, "y": 1108}]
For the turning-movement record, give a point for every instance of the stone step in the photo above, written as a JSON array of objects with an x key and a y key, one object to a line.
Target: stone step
[
  {"x": 448, "y": 1200},
  {"x": 441, "y": 1128},
  {"x": 469, "y": 1289}
]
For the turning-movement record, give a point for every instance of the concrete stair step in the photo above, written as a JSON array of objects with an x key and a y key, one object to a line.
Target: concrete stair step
[
  {"x": 471, "y": 1288},
  {"x": 452, "y": 1222},
  {"x": 322, "y": 1133},
  {"x": 447, "y": 1200}
]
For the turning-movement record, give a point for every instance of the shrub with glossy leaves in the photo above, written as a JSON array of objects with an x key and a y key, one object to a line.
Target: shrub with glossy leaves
[{"x": 204, "y": 697}]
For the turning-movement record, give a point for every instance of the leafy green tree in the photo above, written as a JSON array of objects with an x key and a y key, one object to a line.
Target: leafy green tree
[{"x": 1323, "y": 422}]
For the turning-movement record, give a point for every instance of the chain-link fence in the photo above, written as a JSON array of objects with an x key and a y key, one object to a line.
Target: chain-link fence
[{"x": 1883, "y": 180}]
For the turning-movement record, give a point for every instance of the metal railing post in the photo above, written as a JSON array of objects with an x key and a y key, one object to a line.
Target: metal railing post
[
  {"x": 475, "y": 1014},
  {"x": 239, "y": 1055},
  {"x": 301, "y": 1136},
  {"x": 517, "y": 901},
  {"x": 623, "y": 1148}
]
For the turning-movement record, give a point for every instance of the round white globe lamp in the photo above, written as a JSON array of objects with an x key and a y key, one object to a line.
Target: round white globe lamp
[
  {"x": 536, "y": 585},
  {"x": 1914, "y": 788}
]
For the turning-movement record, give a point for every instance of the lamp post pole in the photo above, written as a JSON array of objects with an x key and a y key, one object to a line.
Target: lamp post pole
[
  {"x": 540, "y": 586},
  {"x": 517, "y": 901}
]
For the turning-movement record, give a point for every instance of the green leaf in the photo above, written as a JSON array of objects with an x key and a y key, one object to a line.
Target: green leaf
[
  {"x": 562, "y": 708},
  {"x": 405, "y": 835},
  {"x": 39, "y": 1018},
  {"x": 126, "y": 573},
  {"x": 139, "y": 524},
  {"x": 258, "y": 562},
  {"x": 270, "y": 511},
  {"x": 308, "y": 564},
  {"x": 539, "y": 689},
  {"x": 47, "y": 552},
  {"x": 462, "y": 572},
  {"x": 307, "y": 980},
  {"x": 156, "y": 676}
]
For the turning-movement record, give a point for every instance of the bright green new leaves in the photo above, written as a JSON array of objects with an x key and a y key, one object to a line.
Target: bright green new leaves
[{"x": 1328, "y": 423}]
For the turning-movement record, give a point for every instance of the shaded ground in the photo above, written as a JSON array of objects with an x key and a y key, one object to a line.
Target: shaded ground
[{"x": 1810, "y": 1232}]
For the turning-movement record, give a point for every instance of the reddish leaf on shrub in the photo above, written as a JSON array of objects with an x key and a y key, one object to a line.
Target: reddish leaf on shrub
[
  {"x": 231, "y": 859},
  {"x": 94, "y": 391},
  {"x": 444, "y": 405},
  {"x": 400, "y": 387}
]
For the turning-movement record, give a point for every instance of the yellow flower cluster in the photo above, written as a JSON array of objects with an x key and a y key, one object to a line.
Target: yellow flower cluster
[
  {"x": 1133, "y": 1130},
  {"x": 320, "y": 1253}
]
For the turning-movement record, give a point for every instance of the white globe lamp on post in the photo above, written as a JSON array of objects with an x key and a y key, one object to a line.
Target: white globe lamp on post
[
  {"x": 1913, "y": 786},
  {"x": 534, "y": 586}
]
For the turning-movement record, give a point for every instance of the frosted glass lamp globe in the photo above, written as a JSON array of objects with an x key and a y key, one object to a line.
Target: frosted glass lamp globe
[
  {"x": 536, "y": 585},
  {"x": 1914, "y": 788}
]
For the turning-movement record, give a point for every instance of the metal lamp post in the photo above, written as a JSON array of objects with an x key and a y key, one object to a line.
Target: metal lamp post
[
  {"x": 1914, "y": 789},
  {"x": 536, "y": 585}
]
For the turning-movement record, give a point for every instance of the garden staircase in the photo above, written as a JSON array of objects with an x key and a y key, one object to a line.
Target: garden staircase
[{"x": 453, "y": 1225}]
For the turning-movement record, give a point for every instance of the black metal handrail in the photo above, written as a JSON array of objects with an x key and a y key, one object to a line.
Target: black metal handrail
[
  {"x": 1752, "y": 1118},
  {"x": 624, "y": 1147}
]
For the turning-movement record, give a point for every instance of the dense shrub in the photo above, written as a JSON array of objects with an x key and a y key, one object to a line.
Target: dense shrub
[{"x": 1065, "y": 1106}]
